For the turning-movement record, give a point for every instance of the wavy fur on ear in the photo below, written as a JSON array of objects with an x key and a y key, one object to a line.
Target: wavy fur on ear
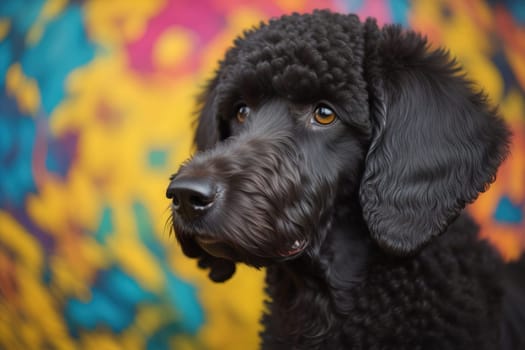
[
  {"x": 436, "y": 142},
  {"x": 207, "y": 132}
]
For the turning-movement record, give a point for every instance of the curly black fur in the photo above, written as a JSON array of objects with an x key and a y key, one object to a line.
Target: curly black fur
[{"x": 359, "y": 223}]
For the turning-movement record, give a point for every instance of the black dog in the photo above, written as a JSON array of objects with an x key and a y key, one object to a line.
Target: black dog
[{"x": 340, "y": 156}]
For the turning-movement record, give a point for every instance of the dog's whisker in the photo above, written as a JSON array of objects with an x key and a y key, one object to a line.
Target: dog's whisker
[{"x": 168, "y": 224}]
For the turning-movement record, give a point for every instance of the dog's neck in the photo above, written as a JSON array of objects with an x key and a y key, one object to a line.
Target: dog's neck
[{"x": 316, "y": 287}]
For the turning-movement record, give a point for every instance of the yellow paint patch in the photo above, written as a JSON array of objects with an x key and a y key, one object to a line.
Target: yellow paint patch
[
  {"x": 20, "y": 242},
  {"x": 10, "y": 325},
  {"x": 148, "y": 319},
  {"x": 290, "y": 5},
  {"x": 134, "y": 339},
  {"x": 51, "y": 9},
  {"x": 35, "y": 33},
  {"x": 100, "y": 340},
  {"x": 52, "y": 208},
  {"x": 486, "y": 75},
  {"x": 69, "y": 281},
  {"x": 185, "y": 343},
  {"x": 484, "y": 14},
  {"x": 173, "y": 46},
  {"x": 23, "y": 89},
  {"x": 137, "y": 260},
  {"x": 114, "y": 23},
  {"x": 513, "y": 106},
  {"x": 39, "y": 307},
  {"x": 506, "y": 242},
  {"x": 5, "y": 25}
]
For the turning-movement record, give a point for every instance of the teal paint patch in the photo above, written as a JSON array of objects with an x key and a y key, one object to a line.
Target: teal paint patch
[
  {"x": 180, "y": 294},
  {"x": 6, "y": 57},
  {"x": 145, "y": 229},
  {"x": 508, "y": 212},
  {"x": 157, "y": 159},
  {"x": 105, "y": 227},
  {"x": 399, "y": 9},
  {"x": 113, "y": 303},
  {"x": 184, "y": 297}
]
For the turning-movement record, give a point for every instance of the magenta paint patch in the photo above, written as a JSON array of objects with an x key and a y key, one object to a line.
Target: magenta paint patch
[
  {"x": 204, "y": 18},
  {"x": 201, "y": 17}
]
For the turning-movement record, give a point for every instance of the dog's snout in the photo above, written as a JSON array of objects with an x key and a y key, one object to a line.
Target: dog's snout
[{"x": 192, "y": 197}]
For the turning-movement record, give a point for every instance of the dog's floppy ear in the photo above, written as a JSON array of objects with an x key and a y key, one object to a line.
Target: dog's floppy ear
[
  {"x": 435, "y": 142},
  {"x": 207, "y": 133}
]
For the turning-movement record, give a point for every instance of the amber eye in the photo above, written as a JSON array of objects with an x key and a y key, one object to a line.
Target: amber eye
[
  {"x": 323, "y": 115},
  {"x": 242, "y": 113}
]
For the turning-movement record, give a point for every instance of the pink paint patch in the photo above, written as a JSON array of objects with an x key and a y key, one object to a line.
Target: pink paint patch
[
  {"x": 377, "y": 9},
  {"x": 200, "y": 17}
]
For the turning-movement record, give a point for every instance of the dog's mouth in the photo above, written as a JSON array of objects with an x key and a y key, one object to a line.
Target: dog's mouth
[
  {"x": 218, "y": 248},
  {"x": 221, "y": 249},
  {"x": 296, "y": 248}
]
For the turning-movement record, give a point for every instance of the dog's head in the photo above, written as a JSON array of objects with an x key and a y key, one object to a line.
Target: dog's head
[{"x": 309, "y": 113}]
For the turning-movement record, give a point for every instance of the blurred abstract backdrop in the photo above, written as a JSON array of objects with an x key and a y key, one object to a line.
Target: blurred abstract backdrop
[{"x": 96, "y": 110}]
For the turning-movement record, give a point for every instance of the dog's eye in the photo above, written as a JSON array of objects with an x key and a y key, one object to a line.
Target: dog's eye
[
  {"x": 242, "y": 113},
  {"x": 323, "y": 115}
]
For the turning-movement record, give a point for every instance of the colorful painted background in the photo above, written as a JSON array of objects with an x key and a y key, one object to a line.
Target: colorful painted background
[{"x": 96, "y": 104}]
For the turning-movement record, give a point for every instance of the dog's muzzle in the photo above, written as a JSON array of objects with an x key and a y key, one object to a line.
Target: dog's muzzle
[{"x": 195, "y": 199}]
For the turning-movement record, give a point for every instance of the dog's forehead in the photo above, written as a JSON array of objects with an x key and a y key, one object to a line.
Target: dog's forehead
[
  {"x": 323, "y": 29},
  {"x": 298, "y": 57}
]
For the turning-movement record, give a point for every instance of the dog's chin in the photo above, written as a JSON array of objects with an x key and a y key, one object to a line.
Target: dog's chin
[
  {"x": 218, "y": 249},
  {"x": 224, "y": 250}
]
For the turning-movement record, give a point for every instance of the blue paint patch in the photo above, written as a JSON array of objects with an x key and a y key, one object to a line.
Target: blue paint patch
[
  {"x": 123, "y": 288},
  {"x": 61, "y": 154},
  {"x": 505, "y": 71},
  {"x": 63, "y": 47},
  {"x": 184, "y": 297},
  {"x": 181, "y": 295},
  {"x": 113, "y": 304},
  {"x": 115, "y": 297},
  {"x": 5, "y": 60},
  {"x": 399, "y": 10},
  {"x": 22, "y": 13},
  {"x": 508, "y": 212},
  {"x": 47, "y": 273},
  {"x": 101, "y": 310},
  {"x": 17, "y": 139},
  {"x": 515, "y": 8}
]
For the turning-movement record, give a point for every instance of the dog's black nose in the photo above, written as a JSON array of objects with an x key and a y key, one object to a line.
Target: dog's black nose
[{"x": 192, "y": 197}]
